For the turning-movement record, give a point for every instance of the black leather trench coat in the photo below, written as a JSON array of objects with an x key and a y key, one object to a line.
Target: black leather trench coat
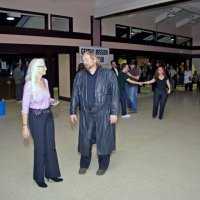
[{"x": 106, "y": 104}]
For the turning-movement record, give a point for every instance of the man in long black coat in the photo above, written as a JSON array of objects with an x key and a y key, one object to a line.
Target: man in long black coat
[{"x": 96, "y": 91}]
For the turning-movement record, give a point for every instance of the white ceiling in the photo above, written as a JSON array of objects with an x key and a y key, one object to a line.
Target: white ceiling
[
  {"x": 185, "y": 14},
  {"x": 109, "y": 7}
]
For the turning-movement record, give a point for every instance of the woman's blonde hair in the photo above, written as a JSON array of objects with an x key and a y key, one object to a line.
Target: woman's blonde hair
[{"x": 32, "y": 72}]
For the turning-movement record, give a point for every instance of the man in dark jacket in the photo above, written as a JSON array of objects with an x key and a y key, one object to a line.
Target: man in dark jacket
[{"x": 95, "y": 90}]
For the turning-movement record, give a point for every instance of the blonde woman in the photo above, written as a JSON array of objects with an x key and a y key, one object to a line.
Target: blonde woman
[{"x": 38, "y": 120}]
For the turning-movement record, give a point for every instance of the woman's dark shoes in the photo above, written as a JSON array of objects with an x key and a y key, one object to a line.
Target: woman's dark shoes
[
  {"x": 154, "y": 116},
  {"x": 100, "y": 172},
  {"x": 82, "y": 171},
  {"x": 56, "y": 179},
  {"x": 42, "y": 184}
]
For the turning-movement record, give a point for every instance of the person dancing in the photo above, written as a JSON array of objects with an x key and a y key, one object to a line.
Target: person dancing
[{"x": 160, "y": 94}]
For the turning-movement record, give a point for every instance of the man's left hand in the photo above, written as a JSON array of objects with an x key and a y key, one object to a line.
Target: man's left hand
[{"x": 113, "y": 119}]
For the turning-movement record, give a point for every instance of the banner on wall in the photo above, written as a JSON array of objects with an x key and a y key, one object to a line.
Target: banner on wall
[{"x": 102, "y": 54}]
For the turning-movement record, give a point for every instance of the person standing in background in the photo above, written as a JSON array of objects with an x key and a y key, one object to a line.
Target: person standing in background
[
  {"x": 181, "y": 74},
  {"x": 25, "y": 68},
  {"x": 172, "y": 74},
  {"x": 188, "y": 79},
  {"x": 114, "y": 67},
  {"x": 134, "y": 73},
  {"x": 19, "y": 80},
  {"x": 38, "y": 118},
  {"x": 81, "y": 66}
]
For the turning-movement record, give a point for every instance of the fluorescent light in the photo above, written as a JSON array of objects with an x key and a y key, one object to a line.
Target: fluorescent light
[
  {"x": 171, "y": 15},
  {"x": 10, "y": 18},
  {"x": 192, "y": 21}
]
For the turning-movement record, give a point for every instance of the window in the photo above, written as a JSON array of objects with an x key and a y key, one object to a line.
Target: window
[
  {"x": 122, "y": 31},
  {"x": 184, "y": 41},
  {"x": 19, "y": 19},
  {"x": 165, "y": 38},
  {"x": 142, "y": 35},
  {"x": 60, "y": 23}
]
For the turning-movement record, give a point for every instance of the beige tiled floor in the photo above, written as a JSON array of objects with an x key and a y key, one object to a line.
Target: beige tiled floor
[{"x": 155, "y": 159}]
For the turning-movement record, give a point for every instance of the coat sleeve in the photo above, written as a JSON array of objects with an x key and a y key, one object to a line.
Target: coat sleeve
[
  {"x": 75, "y": 95},
  {"x": 114, "y": 94}
]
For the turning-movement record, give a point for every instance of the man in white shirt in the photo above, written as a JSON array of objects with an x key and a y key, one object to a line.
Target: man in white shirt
[
  {"x": 114, "y": 67},
  {"x": 172, "y": 73},
  {"x": 188, "y": 79}
]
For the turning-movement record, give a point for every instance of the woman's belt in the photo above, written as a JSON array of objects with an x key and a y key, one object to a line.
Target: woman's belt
[{"x": 40, "y": 111}]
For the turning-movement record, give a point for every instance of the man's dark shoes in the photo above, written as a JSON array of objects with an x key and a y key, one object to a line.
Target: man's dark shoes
[
  {"x": 56, "y": 179},
  {"x": 42, "y": 184},
  {"x": 82, "y": 171},
  {"x": 100, "y": 172}
]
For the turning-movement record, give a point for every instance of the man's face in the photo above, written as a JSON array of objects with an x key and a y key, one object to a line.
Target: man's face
[
  {"x": 114, "y": 65},
  {"x": 27, "y": 64},
  {"x": 132, "y": 66},
  {"x": 88, "y": 62},
  {"x": 126, "y": 69}
]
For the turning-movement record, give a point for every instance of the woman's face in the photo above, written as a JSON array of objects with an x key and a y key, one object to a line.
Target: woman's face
[
  {"x": 160, "y": 71},
  {"x": 42, "y": 69}
]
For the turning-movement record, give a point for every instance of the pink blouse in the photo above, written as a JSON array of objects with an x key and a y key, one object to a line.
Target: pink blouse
[{"x": 41, "y": 101}]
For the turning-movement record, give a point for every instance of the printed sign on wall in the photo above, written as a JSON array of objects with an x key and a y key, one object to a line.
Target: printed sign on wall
[{"x": 102, "y": 54}]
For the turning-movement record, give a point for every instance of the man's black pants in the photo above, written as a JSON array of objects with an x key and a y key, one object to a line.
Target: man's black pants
[{"x": 103, "y": 160}]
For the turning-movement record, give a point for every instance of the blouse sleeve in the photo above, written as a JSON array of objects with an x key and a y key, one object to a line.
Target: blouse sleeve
[{"x": 26, "y": 98}]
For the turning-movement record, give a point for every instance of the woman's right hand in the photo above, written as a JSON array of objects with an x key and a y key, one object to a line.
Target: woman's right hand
[
  {"x": 54, "y": 102},
  {"x": 25, "y": 132}
]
